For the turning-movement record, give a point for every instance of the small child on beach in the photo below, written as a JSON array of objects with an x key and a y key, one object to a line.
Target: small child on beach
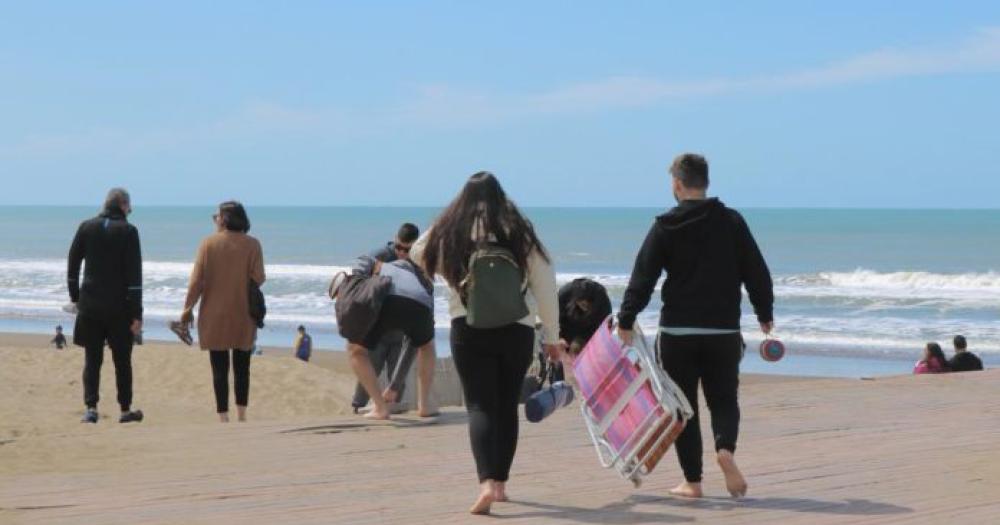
[{"x": 59, "y": 340}]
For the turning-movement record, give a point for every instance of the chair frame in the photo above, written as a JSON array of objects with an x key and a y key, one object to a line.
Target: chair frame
[{"x": 630, "y": 462}]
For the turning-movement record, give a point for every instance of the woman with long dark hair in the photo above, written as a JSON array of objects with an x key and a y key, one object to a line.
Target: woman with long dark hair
[
  {"x": 933, "y": 361},
  {"x": 491, "y": 362},
  {"x": 225, "y": 264}
]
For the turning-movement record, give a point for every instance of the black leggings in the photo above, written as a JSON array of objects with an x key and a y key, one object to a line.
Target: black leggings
[
  {"x": 491, "y": 365},
  {"x": 715, "y": 360},
  {"x": 220, "y": 377}
]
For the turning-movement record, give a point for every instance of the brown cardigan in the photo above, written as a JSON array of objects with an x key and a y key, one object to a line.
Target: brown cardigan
[{"x": 223, "y": 267}]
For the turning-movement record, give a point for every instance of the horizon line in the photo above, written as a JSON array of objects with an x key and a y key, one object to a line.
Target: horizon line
[{"x": 581, "y": 207}]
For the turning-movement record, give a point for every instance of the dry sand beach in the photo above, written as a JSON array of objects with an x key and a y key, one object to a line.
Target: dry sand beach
[{"x": 898, "y": 450}]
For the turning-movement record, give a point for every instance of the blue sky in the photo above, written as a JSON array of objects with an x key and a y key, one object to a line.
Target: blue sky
[{"x": 845, "y": 104}]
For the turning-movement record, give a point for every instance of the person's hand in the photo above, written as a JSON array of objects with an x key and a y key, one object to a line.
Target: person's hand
[
  {"x": 136, "y": 327},
  {"x": 390, "y": 395},
  {"x": 767, "y": 327},
  {"x": 187, "y": 317},
  {"x": 553, "y": 351},
  {"x": 625, "y": 336}
]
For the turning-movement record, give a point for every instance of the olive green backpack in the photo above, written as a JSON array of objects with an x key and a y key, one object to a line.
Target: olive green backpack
[{"x": 493, "y": 291}]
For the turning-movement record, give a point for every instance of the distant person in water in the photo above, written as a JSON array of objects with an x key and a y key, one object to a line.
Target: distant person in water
[
  {"x": 59, "y": 340},
  {"x": 964, "y": 360},
  {"x": 933, "y": 361},
  {"x": 303, "y": 344}
]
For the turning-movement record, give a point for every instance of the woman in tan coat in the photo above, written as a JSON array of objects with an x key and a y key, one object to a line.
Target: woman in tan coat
[{"x": 225, "y": 264}]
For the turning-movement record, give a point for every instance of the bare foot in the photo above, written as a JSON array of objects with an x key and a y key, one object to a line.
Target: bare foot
[
  {"x": 500, "y": 491},
  {"x": 241, "y": 414},
  {"x": 687, "y": 490},
  {"x": 482, "y": 504},
  {"x": 735, "y": 483},
  {"x": 224, "y": 417},
  {"x": 377, "y": 415}
]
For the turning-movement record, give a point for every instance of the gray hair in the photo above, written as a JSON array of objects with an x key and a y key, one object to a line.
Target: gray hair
[{"x": 117, "y": 199}]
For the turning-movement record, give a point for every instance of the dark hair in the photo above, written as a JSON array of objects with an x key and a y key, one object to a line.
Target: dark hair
[
  {"x": 959, "y": 342},
  {"x": 482, "y": 206},
  {"x": 301, "y": 328},
  {"x": 692, "y": 170},
  {"x": 234, "y": 216},
  {"x": 935, "y": 350},
  {"x": 408, "y": 233}
]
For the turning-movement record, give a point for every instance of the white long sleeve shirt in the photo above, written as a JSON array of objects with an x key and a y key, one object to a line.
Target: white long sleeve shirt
[{"x": 541, "y": 297}]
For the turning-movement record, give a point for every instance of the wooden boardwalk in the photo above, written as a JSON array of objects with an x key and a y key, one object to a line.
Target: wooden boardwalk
[{"x": 901, "y": 450}]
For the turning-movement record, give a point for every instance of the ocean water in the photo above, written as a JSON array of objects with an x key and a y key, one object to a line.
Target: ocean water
[{"x": 858, "y": 290}]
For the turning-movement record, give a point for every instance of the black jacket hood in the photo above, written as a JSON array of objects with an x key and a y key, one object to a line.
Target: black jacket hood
[{"x": 689, "y": 213}]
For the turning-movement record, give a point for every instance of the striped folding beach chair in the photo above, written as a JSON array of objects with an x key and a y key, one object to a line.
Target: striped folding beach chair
[{"x": 632, "y": 409}]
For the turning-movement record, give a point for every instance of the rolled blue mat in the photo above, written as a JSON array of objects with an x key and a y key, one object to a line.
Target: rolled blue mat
[{"x": 543, "y": 403}]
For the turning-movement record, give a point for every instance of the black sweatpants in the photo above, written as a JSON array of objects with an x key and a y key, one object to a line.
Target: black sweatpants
[
  {"x": 220, "y": 377},
  {"x": 91, "y": 333},
  {"x": 715, "y": 361},
  {"x": 491, "y": 364}
]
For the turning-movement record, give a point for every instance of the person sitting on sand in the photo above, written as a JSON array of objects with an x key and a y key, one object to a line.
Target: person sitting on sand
[
  {"x": 408, "y": 308},
  {"x": 933, "y": 361},
  {"x": 303, "y": 344},
  {"x": 59, "y": 340},
  {"x": 964, "y": 360}
]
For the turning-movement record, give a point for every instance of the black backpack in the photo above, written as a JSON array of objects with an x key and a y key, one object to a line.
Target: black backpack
[{"x": 359, "y": 303}]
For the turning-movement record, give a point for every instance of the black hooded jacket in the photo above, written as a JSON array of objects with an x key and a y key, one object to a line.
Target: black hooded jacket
[
  {"x": 112, "y": 279},
  {"x": 708, "y": 253}
]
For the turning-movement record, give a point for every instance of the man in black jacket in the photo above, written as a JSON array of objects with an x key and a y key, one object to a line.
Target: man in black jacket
[
  {"x": 964, "y": 360},
  {"x": 708, "y": 253},
  {"x": 108, "y": 301}
]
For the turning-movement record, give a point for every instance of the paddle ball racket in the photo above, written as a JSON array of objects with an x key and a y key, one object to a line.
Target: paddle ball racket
[{"x": 772, "y": 350}]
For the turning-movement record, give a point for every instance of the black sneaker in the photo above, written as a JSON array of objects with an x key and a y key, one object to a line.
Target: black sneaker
[
  {"x": 90, "y": 416},
  {"x": 131, "y": 416}
]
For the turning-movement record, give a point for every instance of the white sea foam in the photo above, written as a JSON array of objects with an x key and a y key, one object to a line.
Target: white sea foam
[{"x": 861, "y": 309}]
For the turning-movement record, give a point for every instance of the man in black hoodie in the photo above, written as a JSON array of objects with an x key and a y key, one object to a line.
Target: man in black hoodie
[
  {"x": 708, "y": 253},
  {"x": 964, "y": 360},
  {"x": 108, "y": 301}
]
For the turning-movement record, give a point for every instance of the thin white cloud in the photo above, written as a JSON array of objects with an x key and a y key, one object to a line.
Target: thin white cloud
[
  {"x": 975, "y": 54},
  {"x": 444, "y": 106}
]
